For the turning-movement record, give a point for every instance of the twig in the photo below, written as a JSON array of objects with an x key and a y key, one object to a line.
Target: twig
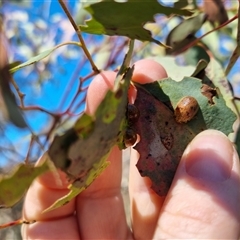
[
  {"x": 80, "y": 90},
  {"x": 70, "y": 83},
  {"x": 53, "y": 127},
  {"x": 20, "y": 94},
  {"x": 78, "y": 31},
  {"x": 204, "y": 35},
  {"x": 29, "y": 149},
  {"x": 17, "y": 222},
  {"x": 37, "y": 108},
  {"x": 236, "y": 52}
]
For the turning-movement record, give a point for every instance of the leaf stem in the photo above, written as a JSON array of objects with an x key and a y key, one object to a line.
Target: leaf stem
[
  {"x": 16, "y": 222},
  {"x": 37, "y": 108},
  {"x": 20, "y": 94},
  {"x": 236, "y": 52},
  {"x": 78, "y": 31}
]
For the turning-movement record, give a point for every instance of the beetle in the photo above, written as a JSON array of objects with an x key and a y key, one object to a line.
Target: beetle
[{"x": 186, "y": 109}]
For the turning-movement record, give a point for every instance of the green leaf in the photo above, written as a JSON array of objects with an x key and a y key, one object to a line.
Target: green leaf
[
  {"x": 126, "y": 18},
  {"x": 14, "y": 64},
  {"x": 183, "y": 34},
  {"x": 217, "y": 116},
  {"x": 173, "y": 68},
  {"x": 33, "y": 60},
  {"x": 220, "y": 80},
  {"x": 195, "y": 54},
  {"x": 40, "y": 56},
  {"x": 13, "y": 187},
  {"x": 233, "y": 59},
  {"x": 201, "y": 66}
]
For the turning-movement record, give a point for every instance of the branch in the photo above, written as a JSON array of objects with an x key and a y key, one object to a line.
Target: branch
[
  {"x": 20, "y": 94},
  {"x": 78, "y": 31},
  {"x": 204, "y": 35}
]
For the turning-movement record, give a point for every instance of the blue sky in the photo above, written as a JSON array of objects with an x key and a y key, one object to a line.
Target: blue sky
[{"x": 47, "y": 94}]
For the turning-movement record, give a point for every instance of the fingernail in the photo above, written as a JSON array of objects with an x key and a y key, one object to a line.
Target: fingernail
[{"x": 209, "y": 157}]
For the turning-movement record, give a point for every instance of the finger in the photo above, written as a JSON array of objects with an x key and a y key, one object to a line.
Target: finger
[
  {"x": 62, "y": 228},
  {"x": 43, "y": 192},
  {"x": 203, "y": 201},
  {"x": 59, "y": 223},
  {"x": 46, "y": 189},
  {"x": 145, "y": 71},
  {"x": 145, "y": 204},
  {"x": 100, "y": 207}
]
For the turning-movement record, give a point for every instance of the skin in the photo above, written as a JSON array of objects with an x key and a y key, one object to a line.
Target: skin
[{"x": 203, "y": 202}]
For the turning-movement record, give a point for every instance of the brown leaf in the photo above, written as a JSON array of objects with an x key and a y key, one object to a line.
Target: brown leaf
[
  {"x": 162, "y": 142},
  {"x": 209, "y": 92},
  {"x": 215, "y": 10}
]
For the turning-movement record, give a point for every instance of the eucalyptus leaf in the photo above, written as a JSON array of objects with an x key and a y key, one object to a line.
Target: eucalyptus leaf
[
  {"x": 126, "y": 18},
  {"x": 215, "y": 10},
  {"x": 40, "y": 56},
  {"x": 162, "y": 141},
  {"x": 82, "y": 151},
  {"x": 162, "y": 137},
  {"x": 217, "y": 116},
  {"x": 14, "y": 185},
  {"x": 183, "y": 34},
  {"x": 33, "y": 60}
]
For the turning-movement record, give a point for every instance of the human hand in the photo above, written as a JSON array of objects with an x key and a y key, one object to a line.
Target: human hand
[{"x": 203, "y": 202}]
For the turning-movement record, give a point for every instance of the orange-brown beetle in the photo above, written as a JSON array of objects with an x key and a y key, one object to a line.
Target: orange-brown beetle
[{"x": 186, "y": 109}]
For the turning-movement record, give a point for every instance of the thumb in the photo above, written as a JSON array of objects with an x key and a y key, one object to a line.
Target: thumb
[{"x": 204, "y": 198}]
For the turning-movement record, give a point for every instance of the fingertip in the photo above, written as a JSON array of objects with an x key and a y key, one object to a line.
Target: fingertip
[
  {"x": 209, "y": 156},
  {"x": 54, "y": 178},
  {"x": 40, "y": 197},
  {"x": 205, "y": 191},
  {"x": 147, "y": 71},
  {"x": 145, "y": 204}
]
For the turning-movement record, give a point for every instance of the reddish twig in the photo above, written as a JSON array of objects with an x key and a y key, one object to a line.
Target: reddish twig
[
  {"x": 78, "y": 31},
  {"x": 37, "y": 108},
  {"x": 204, "y": 35},
  {"x": 17, "y": 222}
]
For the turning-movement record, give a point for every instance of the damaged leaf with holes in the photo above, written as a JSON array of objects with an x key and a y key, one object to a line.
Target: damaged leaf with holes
[
  {"x": 162, "y": 138},
  {"x": 82, "y": 151}
]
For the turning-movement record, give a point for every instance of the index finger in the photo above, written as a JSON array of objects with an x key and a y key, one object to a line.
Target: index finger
[{"x": 145, "y": 203}]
